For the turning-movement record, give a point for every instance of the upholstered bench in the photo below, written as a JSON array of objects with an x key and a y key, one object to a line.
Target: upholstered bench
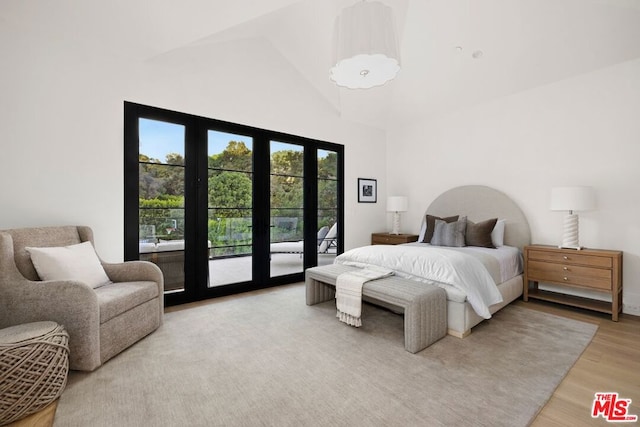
[{"x": 424, "y": 306}]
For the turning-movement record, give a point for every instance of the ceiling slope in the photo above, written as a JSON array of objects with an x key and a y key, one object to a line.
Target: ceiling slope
[{"x": 454, "y": 54}]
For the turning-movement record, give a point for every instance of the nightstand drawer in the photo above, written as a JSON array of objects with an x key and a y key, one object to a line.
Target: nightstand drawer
[
  {"x": 385, "y": 240},
  {"x": 571, "y": 258},
  {"x": 596, "y": 278}
]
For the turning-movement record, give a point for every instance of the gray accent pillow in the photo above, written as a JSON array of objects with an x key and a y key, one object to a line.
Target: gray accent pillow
[
  {"x": 449, "y": 234},
  {"x": 479, "y": 234}
]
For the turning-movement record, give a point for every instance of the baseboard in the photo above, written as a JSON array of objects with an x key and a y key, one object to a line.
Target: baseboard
[
  {"x": 632, "y": 311},
  {"x": 630, "y": 303}
]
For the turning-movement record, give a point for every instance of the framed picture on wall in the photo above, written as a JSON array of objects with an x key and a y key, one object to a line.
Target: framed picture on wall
[{"x": 367, "y": 190}]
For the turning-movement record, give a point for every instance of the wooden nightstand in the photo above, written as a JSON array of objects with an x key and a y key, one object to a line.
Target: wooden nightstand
[
  {"x": 392, "y": 239},
  {"x": 587, "y": 269}
]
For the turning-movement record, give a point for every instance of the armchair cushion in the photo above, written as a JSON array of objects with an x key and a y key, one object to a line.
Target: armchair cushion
[
  {"x": 117, "y": 298},
  {"x": 75, "y": 262}
]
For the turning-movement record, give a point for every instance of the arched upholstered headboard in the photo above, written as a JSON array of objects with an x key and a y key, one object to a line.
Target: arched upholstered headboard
[{"x": 479, "y": 203}]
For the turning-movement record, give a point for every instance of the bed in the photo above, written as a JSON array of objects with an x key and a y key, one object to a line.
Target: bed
[{"x": 472, "y": 298}]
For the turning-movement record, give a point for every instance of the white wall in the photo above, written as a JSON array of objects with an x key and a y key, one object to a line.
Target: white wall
[
  {"x": 61, "y": 125},
  {"x": 580, "y": 131}
]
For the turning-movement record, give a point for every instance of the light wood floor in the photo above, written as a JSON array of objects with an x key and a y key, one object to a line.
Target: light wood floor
[
  {"x": 611, "y": 363},
  {"x": 43, "y": 418}
]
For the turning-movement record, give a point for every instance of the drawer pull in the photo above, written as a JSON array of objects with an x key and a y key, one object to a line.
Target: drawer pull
[
  {"x": 565, "y": 257},
  {"x": 565, "y": 278},
  {"x": 565, "y": 268}
]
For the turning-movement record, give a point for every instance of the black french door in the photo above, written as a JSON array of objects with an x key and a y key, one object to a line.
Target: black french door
[{"x": 223, "y": 208}]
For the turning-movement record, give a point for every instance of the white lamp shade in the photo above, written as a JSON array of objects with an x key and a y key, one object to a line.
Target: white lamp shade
[
  {"x": 366, "y": 48},
  {"x": 397, "y": 204},
  {"x": 578, "y": 198}
]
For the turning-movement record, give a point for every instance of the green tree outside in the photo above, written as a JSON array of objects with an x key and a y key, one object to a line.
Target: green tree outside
[{"x": 230, "y": 188}]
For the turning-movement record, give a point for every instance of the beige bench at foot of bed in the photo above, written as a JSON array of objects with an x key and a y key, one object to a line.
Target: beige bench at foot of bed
[{"x": 424, "y": 306}]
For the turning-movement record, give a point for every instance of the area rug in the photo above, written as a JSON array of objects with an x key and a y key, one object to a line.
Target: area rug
[{"x": 267, "y": 359}]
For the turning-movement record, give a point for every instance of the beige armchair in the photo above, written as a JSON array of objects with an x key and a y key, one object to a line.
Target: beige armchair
[{"x": 101, "y": 322}]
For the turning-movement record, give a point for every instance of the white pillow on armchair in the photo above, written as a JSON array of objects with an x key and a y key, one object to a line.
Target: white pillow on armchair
[{"x": 75, "y": 262}]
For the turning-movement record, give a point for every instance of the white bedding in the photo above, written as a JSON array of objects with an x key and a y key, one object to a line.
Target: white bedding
[
  {"x": 472, "y": 272},
  {"x": 509, "y": 258}
]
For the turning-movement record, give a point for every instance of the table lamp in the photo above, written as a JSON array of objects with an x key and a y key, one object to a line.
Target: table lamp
[
  {"x": 577, "y": 198},
  {"x": 397, "y": 204}
]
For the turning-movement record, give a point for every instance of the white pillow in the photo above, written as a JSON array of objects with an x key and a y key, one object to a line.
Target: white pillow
[
  {"x": 75, "y": 262},
  {"x": 497, "y": 235}
]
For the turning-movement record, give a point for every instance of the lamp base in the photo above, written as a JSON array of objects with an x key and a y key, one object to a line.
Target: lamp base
[
  {"x": 570, "y": 232},
  {"x": 571, "y": 247},
  {"x": 396, "y": 223}
]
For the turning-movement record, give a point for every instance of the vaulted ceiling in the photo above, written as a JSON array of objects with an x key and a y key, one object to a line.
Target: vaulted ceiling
[{"x": 518, "y": 44}]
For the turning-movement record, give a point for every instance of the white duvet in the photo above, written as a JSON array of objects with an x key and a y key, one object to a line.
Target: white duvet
[{"x": 432, "y": 264}]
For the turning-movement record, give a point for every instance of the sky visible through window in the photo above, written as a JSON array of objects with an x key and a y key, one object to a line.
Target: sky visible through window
[
  {"x": 282, "y": 146},
  {"x": 322, "y": 154},
  {"x": 157, "y": 139},
  {"x": 218, "y": 141}
]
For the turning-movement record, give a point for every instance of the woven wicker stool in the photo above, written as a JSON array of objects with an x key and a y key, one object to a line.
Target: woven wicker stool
[{"x": 34, "y": 363}]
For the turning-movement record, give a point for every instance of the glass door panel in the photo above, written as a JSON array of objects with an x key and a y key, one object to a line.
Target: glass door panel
[
  {"x": 161, "y": 205},
  {"x": 327, "y": 206},
  {"x": 286, "y": 241},
  {"x": 229, "y": 206}
]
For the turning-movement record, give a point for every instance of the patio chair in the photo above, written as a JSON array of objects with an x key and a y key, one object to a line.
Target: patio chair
[{"x": 327, "y": 238}]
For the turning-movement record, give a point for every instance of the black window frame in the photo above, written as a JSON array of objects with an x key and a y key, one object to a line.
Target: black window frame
[{"x": 195, "y": 162}]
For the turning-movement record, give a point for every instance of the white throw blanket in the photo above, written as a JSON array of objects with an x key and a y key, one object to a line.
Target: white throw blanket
[{"x": 349, "y": 293}]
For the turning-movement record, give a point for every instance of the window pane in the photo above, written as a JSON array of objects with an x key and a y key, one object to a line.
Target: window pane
[
  {"x": 287, "y": 213},
  {"x": 327, "y": 164},
  {"x": 327, "y": 206},
  {"x": 286, "y": 225},
  {"x": 229, "y": 232},
  {"x": 161, "y": 199},
  {"x": 230, "y": 203},
  {"x": 229, "y": 151},
  {"x": 287, "y": 159},
  {"x": 161, "y": 142}
]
